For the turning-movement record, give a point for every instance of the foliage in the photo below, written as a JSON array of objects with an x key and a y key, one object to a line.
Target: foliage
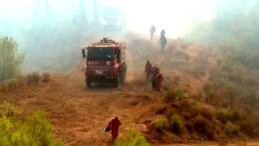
[
  {"x": 9, "y": 84},
  {"x": 33, "y": 131},
  {"x": 10, "y": 59},
  {"x": 131, "y": 138},
  {"x": 176, "y": 124},
  {"x": 231, "y": 129},
  {"x": 161, "y": 124},
  {"x": 179, "y": 93}
]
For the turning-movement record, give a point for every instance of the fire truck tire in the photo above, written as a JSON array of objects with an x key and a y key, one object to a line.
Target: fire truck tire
[
  {"x": 117, "y": 81},
  {"x": 88, "y": 82}
]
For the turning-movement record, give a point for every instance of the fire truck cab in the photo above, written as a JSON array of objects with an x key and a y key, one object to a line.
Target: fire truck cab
[{"x": 105, "y": 60}]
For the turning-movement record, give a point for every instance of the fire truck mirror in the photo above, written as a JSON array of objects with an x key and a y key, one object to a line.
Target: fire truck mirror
[{"x": 83, "y": 53}]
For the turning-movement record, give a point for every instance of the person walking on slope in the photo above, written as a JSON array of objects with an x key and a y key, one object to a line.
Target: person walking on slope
[
  {"x": 163, "y": 42},
  {"x": 114, "y": 125},
  {"x": 162, "y": 33},
  {"x": 148, "y": 70},
  {"x": 152, "y": 31},
  {"x": 154, "y": 73},
  {"x": 157, "y": 79}
]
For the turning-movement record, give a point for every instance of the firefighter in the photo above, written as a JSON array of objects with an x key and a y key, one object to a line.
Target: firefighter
[
  {"x": 154, "y": 73},
  {"x": 114, "y": 125},
  {"x": 162, "y": 33},
  {"x": 148, "y": 70},
  {"x": 163, "y": 42},
  {"x": 152, "y": 31},
  {"x": 157, "y": 79}
]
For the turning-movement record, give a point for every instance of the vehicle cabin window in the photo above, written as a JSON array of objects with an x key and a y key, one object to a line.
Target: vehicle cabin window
[{"x": 100, "y": 53}]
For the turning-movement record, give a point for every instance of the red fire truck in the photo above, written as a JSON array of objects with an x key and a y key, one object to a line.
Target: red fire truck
[{"x": 105, "y": 60}]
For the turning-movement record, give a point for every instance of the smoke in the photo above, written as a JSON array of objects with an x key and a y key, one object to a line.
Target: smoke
[{"x": 51, "y": 33}]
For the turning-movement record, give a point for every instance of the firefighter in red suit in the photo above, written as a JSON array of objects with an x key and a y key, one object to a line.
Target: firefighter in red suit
[
  {"x": 114, "y": 125},
  {"x": 158, "y": 77}
]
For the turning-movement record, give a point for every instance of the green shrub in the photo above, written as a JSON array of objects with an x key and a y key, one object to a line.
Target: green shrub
[
  {"x": 33, "y": 78},
  {"x": 176, "y": 124},
  {"x": 161, "y": 124},
  {"x": 131, "y": 138},
  {"x": 229, "y": 115},
  {"x": 8, "y": 110},
  {"x": 10, "y": 84},
  {"x": 33, "y": 131},
  {"x": 179, "y": 93},
  {"x": 221, "y": 116},
  {"x": 10, "y": 58},
  {"x": 231, "y": 129}
]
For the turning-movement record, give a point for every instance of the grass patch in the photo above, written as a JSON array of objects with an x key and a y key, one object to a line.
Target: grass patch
[
  {"x": 231, "y": 129},
  {"x": 161, "y": 124},
  {"x": 131, "y": 138},
  {"x": 176, "y": 124}
]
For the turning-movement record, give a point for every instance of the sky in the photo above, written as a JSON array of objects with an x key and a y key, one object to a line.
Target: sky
[{"x": 175, "y": 16}]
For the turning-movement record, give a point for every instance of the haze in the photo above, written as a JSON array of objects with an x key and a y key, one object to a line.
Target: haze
[
  {"x": 61, "y": 27},
  {"x": 173, "y": 15}
]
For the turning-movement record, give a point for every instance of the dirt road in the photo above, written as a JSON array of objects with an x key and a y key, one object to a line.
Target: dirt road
[{"x": 78, "y": 114}]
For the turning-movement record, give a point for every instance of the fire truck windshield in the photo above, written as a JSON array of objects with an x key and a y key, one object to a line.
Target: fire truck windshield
[{"x": 100, "y": 54}]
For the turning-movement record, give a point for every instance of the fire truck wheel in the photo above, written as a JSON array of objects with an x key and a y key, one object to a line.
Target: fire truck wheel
[
  {"x": 88, "y": 83},
  {"x": 117, "y": 81}
]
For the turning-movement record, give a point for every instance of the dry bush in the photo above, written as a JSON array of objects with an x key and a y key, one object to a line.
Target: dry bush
[
  {"x": 249, "y": 126},
  {"x": 231, "y": 129},
  {"x": 170, "y": 96},
  {"x": 185, "y": 104},
  {"x": 169, "y": 112},
  {"x": 33, "y": 78},
  {"x": 46, "y": 77},
  {"x": 203, "y": 126},
  {"x": 186, "y": 115},
  {"x": 207, "y": 113},
  {"x": 176, "y": 124},
  {"x": 192, "y": 110},
  {"x": 160, "y": 108}
]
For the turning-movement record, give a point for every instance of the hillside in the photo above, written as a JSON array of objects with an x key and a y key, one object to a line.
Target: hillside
[{"x": 79, "y": 115}]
